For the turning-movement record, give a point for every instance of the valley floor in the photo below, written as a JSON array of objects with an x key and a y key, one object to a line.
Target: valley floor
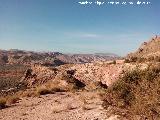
[{"x": 58, "y": 106}]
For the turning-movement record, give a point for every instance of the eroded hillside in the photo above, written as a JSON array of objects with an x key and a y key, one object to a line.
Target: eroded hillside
[{"x": 147, "y": 51}]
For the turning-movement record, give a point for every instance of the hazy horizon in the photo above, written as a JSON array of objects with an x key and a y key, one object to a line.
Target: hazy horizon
[{"x": 68, "y": 27}]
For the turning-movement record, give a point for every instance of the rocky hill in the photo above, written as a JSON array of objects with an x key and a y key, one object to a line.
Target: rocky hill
[{"x": 148, "y": 50}]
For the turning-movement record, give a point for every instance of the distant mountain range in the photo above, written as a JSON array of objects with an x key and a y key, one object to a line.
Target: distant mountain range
[{"x": 15, "y": 56}]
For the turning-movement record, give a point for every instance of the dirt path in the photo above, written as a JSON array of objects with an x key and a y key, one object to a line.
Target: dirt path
[{"x": 59, "y": 106}]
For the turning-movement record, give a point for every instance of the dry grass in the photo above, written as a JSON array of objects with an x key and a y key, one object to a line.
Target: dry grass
[
  {"x": 12, "y": 99},
  {"x": 28, "y": 93},
  {"x": 137, "y": 92},
  {"x": 43, "y": 90},
  {"x": 71, "y": 107},
  {"x": 8, "y": 100},
  {"x": 2, "y": 103},
  {"x": 48, "y": 88},
  {"x": 57, "y": 110},
  {"x": 87, "y": 107}
]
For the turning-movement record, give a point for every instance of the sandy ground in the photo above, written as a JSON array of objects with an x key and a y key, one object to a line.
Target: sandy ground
[{"x": 59, "y": 106}]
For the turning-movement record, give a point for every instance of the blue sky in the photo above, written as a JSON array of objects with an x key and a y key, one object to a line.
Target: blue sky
[{"x": 69, "y": 27}]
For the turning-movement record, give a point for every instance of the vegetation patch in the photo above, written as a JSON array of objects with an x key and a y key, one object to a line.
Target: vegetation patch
[
  {"x": 12, "y": 99},
  {"x": 10, "y": 76},
  {"x": 2, "y": 103},
  {"x": 136, "y": 93}
]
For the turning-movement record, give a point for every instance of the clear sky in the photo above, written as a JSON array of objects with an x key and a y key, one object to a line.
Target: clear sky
[{"x": 69, "y": 27}]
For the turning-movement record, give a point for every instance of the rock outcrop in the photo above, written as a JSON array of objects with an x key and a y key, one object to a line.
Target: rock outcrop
[
  {"x": 39, "y": 74},
  {"x": 104, "y": 72}
]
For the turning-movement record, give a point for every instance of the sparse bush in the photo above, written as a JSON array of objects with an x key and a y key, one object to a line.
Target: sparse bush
[
  {"x": 135, "y": 59},
  {"x": 157, "y": 59},
  {"x": 72, "y": 81},
  {"x": 132, "y": 76},
  {"x": 137, "y": 92},
  {"x": 57, "y": 110},
  {"x": 10, "y": 76},
  {"x": 87, "y": 107},
  {"x": 12, "y": 99},
  {"x": 151, "y": 58},
  {"x": 2, "y": 103},
  {"x": 28, "y": 93},
  {"x": 141, "y": 59},
  {"x": 49, "y": 88},
  {"x": 43, "y": 90},
  {"x": 114, "y": 62},
  {"x": 71, "y": 107},
  {"x": 126, "y": 61},
  {"x": 101, "y": 85}
]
